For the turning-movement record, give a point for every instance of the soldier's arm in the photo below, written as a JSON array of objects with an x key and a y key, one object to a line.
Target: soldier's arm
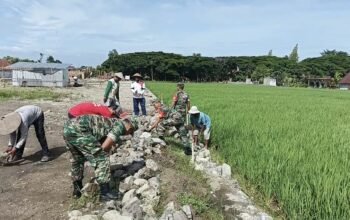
[
  {"x": 159, "y": 119},
  {"x": 107, "y": 90},
  {"x": 174, "y": 101},
  {"x": 107, "y": 144}
]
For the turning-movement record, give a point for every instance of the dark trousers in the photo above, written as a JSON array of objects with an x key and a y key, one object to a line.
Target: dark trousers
[
  {"x": 40, "y": 134},
  {"x": 142, "y": 103}
]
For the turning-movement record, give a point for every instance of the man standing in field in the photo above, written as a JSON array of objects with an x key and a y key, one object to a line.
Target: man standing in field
[
  {"x": 112, "y": 89},
  {"x": 201, "y": 124},
  {"x": 138, "y": 89},
  {"x": 90, "y": 138},
  {"x": 181, "y": 103}
]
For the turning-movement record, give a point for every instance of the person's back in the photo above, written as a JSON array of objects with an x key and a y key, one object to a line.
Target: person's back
[
  {"x": 203, "y": 119},
  {"x": 181, "y": 98},
  {"x": 90, "y": 108},
  {"x": 29, "y": 113}
]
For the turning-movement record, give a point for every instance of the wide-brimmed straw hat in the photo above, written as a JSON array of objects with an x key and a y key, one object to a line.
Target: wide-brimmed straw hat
[
  {"x": 137, "y": 75},
  {"x": 194, "y": 110},
  {"x": 119, "y": 75},
  {"x": 9, "y": 123}
]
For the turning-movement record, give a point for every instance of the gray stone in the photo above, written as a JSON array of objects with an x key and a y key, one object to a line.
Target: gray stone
[
  {"x": 156, "y": 141},
  {"x": 140, "y": 173},
  {"x": 156, "y": 150},
  {"x": 146, "y": 135},
  {"x": 154, "y": 182},
  {"x": 90, "y": 189},
  {"x": 140, "y": 182},
  {"x": 152, "y": 165},
  {"x": 90, "y": 205},
  {"x": 129, "y": 180},
  {"x": 180, "y": 215},
  {"x": 74, "y": 213},
  {"x": 148, "y": 209},
  {"x": 264, "y": 216},
  {"x": 128, "y": 196},
  {"x": 110, "y": 205},
  {"x": 171, "y": 131},
  {"x": 115, "y": 215},
  {"x": 168, "y": 211},
  {"x": 88, "y": 217},
  {"x": 133, "y": 209},
  {"x": 226, "y": 171},
  {"x": 123, "y": 187},
  {"x": 187, "y": 210},
  {"x": 142, "y": 189},
  {"x": 148, "y": 151}
]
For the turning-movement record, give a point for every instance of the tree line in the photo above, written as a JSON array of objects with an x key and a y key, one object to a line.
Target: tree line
[{"x": 287, "y": 70}]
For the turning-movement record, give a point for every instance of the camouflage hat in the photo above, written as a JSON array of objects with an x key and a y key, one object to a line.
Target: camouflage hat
[
  {"x": 180, "y": 85},
  {"x": 133, "y": 121}
]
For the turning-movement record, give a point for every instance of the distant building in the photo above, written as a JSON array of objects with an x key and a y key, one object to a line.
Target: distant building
[
  {"x": 344, "y": 83},
  {"x": 39, "y": 74},
  {"x": 4, "y": 72},
  {"x": 320, "y": 82},
  {"x": 268, "y": 81},
  {"x": 248, "y": 81}
]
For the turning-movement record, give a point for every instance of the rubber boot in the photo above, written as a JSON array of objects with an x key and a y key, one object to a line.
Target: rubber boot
[
  {"x": 77, "y": 186},
  {"x": 106, "y": 194}
]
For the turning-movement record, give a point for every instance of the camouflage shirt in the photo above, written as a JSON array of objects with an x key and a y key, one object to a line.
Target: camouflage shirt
[
  {"x": 181, "y": 99},
  {"x": 95, "y": 125}
]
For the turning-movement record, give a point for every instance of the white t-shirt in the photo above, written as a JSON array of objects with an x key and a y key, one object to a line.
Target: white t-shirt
[{"x": 138, "y": 89}]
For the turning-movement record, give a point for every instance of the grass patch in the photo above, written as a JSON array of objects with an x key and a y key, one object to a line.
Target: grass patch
[
  {"x": 187, "y": 186},
  {"x": 80, "y": 203},
  {"x": 26, "y": 93},
  {"x": 289, "y": 145}
]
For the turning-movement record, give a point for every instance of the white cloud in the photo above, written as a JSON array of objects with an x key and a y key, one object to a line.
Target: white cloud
[{"x": 88, "y": 28}]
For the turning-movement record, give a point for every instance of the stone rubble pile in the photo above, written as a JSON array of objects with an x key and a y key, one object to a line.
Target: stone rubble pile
[{"x": 138, "y": 180}]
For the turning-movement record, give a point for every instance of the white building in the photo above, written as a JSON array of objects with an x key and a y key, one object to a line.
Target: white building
[
  {"x": 39, "y": 74},
  {"x": 268, "y": 81}
]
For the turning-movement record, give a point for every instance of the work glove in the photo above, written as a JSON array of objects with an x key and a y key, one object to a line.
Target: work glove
[{"x": 104, "y": 100}]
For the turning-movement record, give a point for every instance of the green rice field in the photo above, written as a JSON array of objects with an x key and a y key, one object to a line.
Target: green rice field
[{"x": 291, "y": 144}]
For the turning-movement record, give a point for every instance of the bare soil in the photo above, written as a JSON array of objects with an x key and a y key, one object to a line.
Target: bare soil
[{"x": 35, "y": 190}]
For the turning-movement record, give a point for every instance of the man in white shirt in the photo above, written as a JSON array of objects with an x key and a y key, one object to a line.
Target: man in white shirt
[
  {"x": 17, "y": 125},
  {"x": 138, "y": 89}
]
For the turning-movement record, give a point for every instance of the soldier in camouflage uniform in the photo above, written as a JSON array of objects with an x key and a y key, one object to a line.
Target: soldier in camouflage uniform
[
  {"x": 181, "y": 103},
  {"x": 161, "y": 114},
  {"x": 89, "y": 138}
]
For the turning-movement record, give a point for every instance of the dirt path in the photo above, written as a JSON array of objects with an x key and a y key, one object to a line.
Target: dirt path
[{"x": 35, "y": 190}]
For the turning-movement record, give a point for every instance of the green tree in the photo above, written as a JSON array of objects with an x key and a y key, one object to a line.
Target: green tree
[
  {"x": 294, "y": 57},
  {"x": 50, "y": 59}
]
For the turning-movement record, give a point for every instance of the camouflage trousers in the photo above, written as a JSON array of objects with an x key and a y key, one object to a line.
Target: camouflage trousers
[
  {"x": 183, "y": 132},
  {"x": 85, "y": 147},
  {"x": 178, "y": 119}
]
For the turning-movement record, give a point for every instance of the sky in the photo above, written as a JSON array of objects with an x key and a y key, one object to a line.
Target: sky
[{"x": 82, "y": 32}]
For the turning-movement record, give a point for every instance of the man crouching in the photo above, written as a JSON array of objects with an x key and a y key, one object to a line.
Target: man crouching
[{"x": 90, "y": 138}]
